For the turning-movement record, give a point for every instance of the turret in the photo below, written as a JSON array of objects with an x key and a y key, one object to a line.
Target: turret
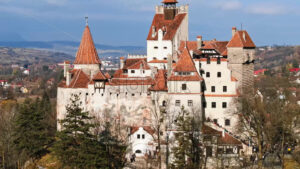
[{"x": 170, "y": 10}]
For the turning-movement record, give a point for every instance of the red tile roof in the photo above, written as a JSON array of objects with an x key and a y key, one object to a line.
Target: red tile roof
[
  {"x": 160, "y": 82},
  {"x": 130, "y": 62},
  {"x": 107, "y": 75},
  {"x": 260, "y": 71},
  {"x": 119, "y": 74},
  {"x": 99, "y": 76},
  {"x": 130, "y": 81},
  {"x": 185, "y": 62},
  {"x": 195, "y": 77},
  {"x": 211, "y": 59},
  {"x": 171, "y": 26},
  {"x": 295, "y": 70},
  {"x": 228, "y": 140},
  {"x": 141, "y": 64},
  {"x": 241, "y": 39},
  {"x": 219, "y": 46},
  {"x": 87, "y": 53},
  {"x": 148, "y": 129},
  {"x": 158, "y": 61},
  {"x": 169, "y": 1},
  {"x": 79, "y": 80}
]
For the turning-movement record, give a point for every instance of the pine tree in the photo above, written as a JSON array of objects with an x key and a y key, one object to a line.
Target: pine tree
[
  {"x": 186, "y": 150},
  {"x": 30, "y": 134},
  {"x": 115, "y": 150},
  {"x": 76, "y": 147}
]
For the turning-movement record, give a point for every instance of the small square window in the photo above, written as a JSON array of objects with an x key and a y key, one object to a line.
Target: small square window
[
  {"x": 138, "y": 136},
  {"x": 208, "y": 60},
  {"x": 227, "y": 122},
  {"x": 213, "y": 89},
  {"x": 143, "y": 136},
  {"x": 165, "y": 47},
  {"x": 155, "y": 47},
  {"x": 219, "y": 61},
  {"x": 177, "y": 103},
  {"x": 219, "y": 74},
  {"x": 204, "y": 104},
  {"x": 216, "y": 121},
  {"x": 132, "y": 71},
  {"x": 224, "y": 88},
  {"x": 183, "y": 87},
  {"x": 207, "y": 74},
  {"x": 190, "y": 103},
  {"x": 132, "y": 94},
  {"x": 213, "y": 104},
  {"x": 224, "y": 105}
]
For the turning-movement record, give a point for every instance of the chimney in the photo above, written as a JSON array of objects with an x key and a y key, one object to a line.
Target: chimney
[
  {"x": 244, "y": 36},
  {"x": 122, "y": 61},
  {"x": 160, "y": 34},
  {"x": 66, "y": 67},
  {"x": 199, "y": 42},
  {"x": 233, "y": 31},
  {"x": 68, "y": 78},
  {"x": 153, "y": 32}
]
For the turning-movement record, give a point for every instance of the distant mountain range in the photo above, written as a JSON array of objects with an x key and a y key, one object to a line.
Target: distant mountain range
[{"x": 70, "y": 47}]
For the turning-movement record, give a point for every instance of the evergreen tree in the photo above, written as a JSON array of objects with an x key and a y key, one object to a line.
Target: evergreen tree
[
  {"x": 115, "y": 150},
  {"x": 76, "y": 147},
  {"x": 187, "y": 149},
  {"x": 30, "y": 134}
]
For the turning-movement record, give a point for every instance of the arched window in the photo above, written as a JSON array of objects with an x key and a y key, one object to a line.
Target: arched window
[
  {"x": 164, "y": 103},
  {"x": 227, "y": 122},
  {"x": 138, "y": 151}
]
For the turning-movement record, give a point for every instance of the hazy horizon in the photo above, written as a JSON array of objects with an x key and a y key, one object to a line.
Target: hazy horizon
[{"x": 121, "y": 22}]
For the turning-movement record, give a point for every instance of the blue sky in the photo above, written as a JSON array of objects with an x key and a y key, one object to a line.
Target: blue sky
[{"x": 126, "y": 22}]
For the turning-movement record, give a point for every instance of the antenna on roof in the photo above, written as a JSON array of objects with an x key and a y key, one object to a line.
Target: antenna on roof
[{"x": 86, "y": 20}]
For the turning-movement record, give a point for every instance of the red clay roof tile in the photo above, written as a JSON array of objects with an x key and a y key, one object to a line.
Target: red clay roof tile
[
  {"x": 79, "y": 80},
  {"x": 241, "y": 39},
  {"x": 87, "y": 53},
  {"x": 171, "y": 26},
  {"x": 99, "y": 76},
  {"x": 160, "y": 82},
  {"x": 185, "y": 62}
]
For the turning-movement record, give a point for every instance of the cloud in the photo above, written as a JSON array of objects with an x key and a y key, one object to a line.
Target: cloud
[{"x": 267, "y": 9}]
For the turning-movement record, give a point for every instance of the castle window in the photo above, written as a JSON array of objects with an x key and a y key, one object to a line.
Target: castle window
[
  {"x": 204, "y": 104},
  {"x": 138, "y": 151},
  {"x": 213, "y": 105},
  {"x": 227, "y": 122},
  {"x": 165, "y": 58},
  {"x": 209, "y": 151},
  {"x": 219, "y": 74},
  {"x": 132, "y": 71},
  {"x": 183, "y": 87},
  {"x": 164, "y": 103},
  {"x": 224, "y": 105},
  {"x": 165, "y": 47},
  {"x": 155, "y": 47},
  {"x": 215, "y": 121},
  {"x": 208, "y": 61},
  {"x": 219, "y": 61},
  {"x": 143, "y": 136},
  {"x": 224, "y": 88},
  {"x": 213, "y": 89},
  {"x": 154, "y": 58},
  {"x": 138, "y": 136},
  {"x": 207, "y": 74},
  {"x": 143, "y": 71},
  {"x": 177, "y": 103},
  {"x": 190, "y": 103},
  {"x": 132, "y": 95}
]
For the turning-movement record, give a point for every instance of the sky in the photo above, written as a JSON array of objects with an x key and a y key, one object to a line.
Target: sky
[{"x": 127, "y": 22}]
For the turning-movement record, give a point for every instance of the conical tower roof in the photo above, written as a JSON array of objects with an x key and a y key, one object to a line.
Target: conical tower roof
[{"x": 87, "y": 53}]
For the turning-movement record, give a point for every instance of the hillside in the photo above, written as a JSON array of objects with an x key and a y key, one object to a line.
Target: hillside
[
  {"x": 21, "y": 56},
  {"x": 70, "y": 47},
  {"x": 276, "y": 57}
]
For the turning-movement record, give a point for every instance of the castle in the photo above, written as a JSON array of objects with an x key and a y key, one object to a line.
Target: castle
[{"x": 203, "y": 76}]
